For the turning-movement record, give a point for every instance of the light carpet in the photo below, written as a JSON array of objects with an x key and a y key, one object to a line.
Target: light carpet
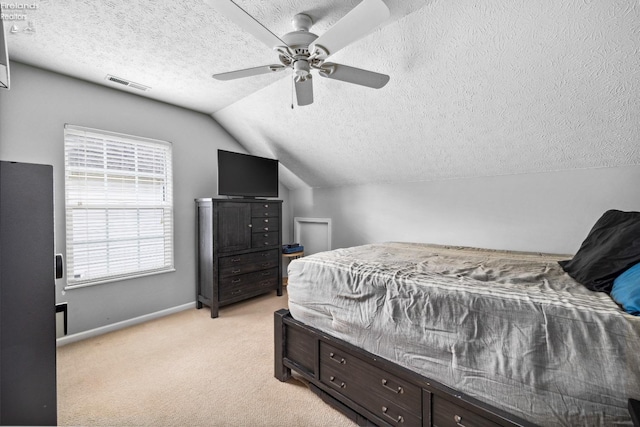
[{"x": 187, "y": 370}]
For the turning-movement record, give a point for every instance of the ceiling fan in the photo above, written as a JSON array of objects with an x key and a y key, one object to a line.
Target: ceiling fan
[{"x": 304, "y": 52}]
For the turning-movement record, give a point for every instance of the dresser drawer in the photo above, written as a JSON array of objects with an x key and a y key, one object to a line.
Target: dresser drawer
[
  {"x": 448, "y": 414},
  {"x": 231, "y": 262},
  {"x": 248, "y": 263},
  {"x": 389, "y": 397},
  {"x": 247, "y": 268},
  {"x": 265, "y": 209},
  {"x": 267, "y": 238},
  {"x": 265, "y": 224},
  {"x": 247, "y": 284}
]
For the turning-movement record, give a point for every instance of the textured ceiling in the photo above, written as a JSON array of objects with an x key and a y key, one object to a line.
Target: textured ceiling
[{"x": 478, "y": 87}]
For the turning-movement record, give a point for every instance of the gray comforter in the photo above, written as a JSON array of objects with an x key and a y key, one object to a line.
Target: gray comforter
[{"x": 511, "y": 329}]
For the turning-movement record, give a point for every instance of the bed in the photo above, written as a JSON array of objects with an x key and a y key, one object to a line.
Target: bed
[{"x": 501, "y": 337}]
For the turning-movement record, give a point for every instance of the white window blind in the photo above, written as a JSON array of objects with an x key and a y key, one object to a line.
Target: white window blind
[{"x": 119, "y": 206}]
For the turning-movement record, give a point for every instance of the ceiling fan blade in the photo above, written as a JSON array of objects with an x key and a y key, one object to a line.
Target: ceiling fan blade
[
  {"x": 248, "y": 72},
  {"x": 304, "y": 92},
  {"x": 246, "y": 22},
  {"x": 354, "y": 75},
  {"x": 351, "y": 27}
]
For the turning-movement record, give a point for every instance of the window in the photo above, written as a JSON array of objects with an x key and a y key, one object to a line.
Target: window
[{"x": 119, "y": 206}]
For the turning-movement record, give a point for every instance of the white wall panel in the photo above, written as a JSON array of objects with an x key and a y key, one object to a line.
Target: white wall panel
[{"x": 549, "y": 212}]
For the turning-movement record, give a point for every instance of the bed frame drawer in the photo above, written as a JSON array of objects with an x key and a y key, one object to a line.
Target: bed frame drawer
[
  {"x": 389, "y": 397},
  {"x": 371, "y": 390},
  {"x": 448, "y": 414}
]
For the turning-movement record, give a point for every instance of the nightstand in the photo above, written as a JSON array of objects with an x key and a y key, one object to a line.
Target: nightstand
[{"x": 294, "y": 255}]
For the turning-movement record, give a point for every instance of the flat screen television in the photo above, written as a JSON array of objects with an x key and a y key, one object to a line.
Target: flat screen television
[{"x": 244, "y": 175}]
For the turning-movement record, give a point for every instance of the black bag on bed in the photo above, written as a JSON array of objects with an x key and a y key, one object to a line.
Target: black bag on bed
[{"x": 611, "y": 247}]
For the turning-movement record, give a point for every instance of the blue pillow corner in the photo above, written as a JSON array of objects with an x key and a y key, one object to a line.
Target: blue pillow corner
[{"x": 626, "y": 290}]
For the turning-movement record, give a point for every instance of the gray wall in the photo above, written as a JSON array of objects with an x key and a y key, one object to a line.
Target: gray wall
[
  {"x": 32, "y": 117},
  {"x": 547, "y": 212}
]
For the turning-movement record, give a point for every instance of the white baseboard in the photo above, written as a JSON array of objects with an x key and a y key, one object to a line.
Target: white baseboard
[{"x": 121, "y": 325}]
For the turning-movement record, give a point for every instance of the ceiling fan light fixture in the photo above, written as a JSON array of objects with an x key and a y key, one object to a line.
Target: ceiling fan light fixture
[{"x": 301, "y": 68}]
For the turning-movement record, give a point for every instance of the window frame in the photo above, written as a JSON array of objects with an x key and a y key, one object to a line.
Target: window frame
[{"x": 163, "y": 208}]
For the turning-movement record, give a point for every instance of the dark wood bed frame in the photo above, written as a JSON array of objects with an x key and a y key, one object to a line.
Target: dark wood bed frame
[{"x": 371, "y": 390}]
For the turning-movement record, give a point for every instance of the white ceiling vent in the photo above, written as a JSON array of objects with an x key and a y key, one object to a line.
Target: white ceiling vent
[{"x": 126, "y": 82}]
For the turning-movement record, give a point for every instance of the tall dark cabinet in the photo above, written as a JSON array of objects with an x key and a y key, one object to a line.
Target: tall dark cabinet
[
  {"x": 27, "y": 296},
  {"x": 239, "y": 245}
]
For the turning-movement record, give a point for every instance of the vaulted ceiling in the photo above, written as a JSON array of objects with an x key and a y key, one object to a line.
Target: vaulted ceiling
[{"x": 477, "y": 87}]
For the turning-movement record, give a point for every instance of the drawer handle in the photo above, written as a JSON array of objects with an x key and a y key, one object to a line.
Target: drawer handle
[
  {"x": 265, "y": 283},
  {"x": 266, "y": 214},
  {"x": 399, "y": 390},
  {"x": 458, "y": 420},
  {"x": 265, "y": 254},
  {"x": 333, "y": 357},
  {"x": 236, "y": 292},
  {"x": 266, "y": 206},
  {"x": 266, "y": 243},
  {"x": 266, "y": 273},
  {"x": 400, "y": 419},
  {"x": 266, "y": 220},
  {"x": 235, "y": 260},
  {"x": 341, "y": 385},
  {"x": 235, "y": 271},
  {"x": 236, "y": 281},
  {"x": 266, "y": 229},
  {"x": 266, "y": 234}
]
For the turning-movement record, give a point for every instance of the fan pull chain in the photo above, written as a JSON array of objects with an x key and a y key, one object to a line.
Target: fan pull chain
[{"x": 292, "y": 90}]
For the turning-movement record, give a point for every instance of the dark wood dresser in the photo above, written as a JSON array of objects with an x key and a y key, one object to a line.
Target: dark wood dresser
[{"x": 239, "y": 245}]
